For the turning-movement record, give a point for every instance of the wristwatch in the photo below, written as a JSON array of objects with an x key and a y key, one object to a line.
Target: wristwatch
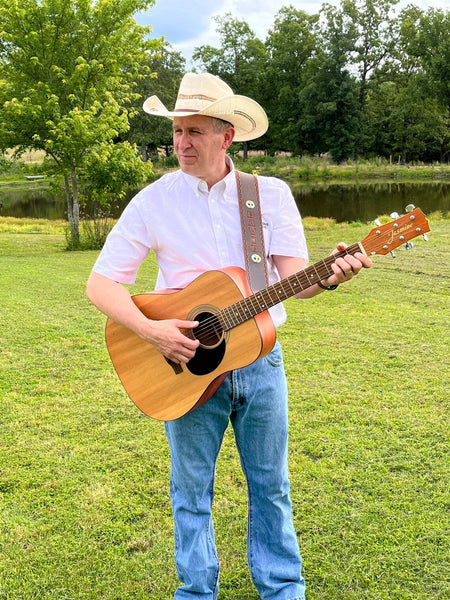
[{"x": 329, "y": 288}]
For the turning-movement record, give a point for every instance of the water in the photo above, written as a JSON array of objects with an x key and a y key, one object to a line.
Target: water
[
  {"x": 347, "y": 203},
  {"x": 341, "y": 202},
  {"x": 35, "y": 200}
]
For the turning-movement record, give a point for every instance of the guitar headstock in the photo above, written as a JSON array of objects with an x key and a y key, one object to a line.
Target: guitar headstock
[{"x": 385, "y": 238}]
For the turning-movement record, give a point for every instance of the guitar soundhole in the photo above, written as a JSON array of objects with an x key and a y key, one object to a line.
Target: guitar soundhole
[
  {"x": 212, "y": 347},
  {"x": 209, "y": 331}
]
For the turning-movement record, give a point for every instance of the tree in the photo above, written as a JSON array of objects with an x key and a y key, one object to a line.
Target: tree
[
  {"x": 329, "y": 105},
  {"x": 291, "y": 45},
  {"x": 425, "y": 38},
  {"x": 148, "y": 132},
  {"x": 106, "y": 168},
  {"x": 239, "y": 60},
  {"x": 365, "y": 33},
  {"x": 70, "y": 67}
]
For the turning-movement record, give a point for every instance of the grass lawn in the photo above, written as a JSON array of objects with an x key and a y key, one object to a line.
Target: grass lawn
[{"x": 84, "y": 504}]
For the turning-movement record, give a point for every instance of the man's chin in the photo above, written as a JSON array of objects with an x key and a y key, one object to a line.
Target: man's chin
[{"x": 187, "y": 162}]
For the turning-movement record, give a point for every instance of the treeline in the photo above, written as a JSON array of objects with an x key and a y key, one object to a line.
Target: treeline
[{"x": 355, "y": 81}]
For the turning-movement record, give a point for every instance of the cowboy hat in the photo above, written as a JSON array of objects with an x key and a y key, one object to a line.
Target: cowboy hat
[{"x": 206, "y": 94}]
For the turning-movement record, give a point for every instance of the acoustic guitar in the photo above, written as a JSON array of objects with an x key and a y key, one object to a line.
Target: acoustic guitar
[{"x": 235, "y": 328}]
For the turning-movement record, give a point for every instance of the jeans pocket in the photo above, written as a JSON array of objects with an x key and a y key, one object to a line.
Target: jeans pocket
[{"x": 275, "y": 357}]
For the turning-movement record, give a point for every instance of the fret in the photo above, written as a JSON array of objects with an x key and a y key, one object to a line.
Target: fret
[
  {"x": 256, "y": 303},
  {"x": 276, "y": 289},
  {"x": 303, "y": 280},
  {"x": 289, "y": 281},
  {"x": 316, "y": 277},
  {"x": 298, "y": 282},
  {"x": 235, "y": 315},
  {"x": 226, "y": 320},
  {"x": 260, "y": 300},
  {"x": 327, "y": 270}
]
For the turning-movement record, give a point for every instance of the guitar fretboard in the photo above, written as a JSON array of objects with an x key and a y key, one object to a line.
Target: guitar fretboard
[{"x": 246, "y": 309}]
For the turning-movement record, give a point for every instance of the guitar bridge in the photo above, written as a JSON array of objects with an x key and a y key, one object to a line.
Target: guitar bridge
[{"x": 177, "y": 368}]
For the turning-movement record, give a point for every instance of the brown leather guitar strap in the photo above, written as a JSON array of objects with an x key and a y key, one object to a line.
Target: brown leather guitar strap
[{"x": 252, "y": 230}]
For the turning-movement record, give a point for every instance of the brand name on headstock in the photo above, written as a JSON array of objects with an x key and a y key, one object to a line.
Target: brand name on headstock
[
  {"x": 396, "y": 231},
  {"x": 403, "y": 228}
]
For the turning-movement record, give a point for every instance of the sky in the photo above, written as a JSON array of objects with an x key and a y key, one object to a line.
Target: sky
[{"x": 186, "y": 24}]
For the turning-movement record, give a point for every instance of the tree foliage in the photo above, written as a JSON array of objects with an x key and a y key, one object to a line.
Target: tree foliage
[
  {"x": 70, "y": 67},
  {"x": 153, "y": 134},
  {"x": 359, "y": 79},
  {"x": 292, "y": 47},
  {"x": 355, "y": 80},
  {"x": 240, "y": 60}
]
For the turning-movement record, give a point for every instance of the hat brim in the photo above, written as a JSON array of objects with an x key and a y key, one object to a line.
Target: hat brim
[{"x": 247, "y": 116}]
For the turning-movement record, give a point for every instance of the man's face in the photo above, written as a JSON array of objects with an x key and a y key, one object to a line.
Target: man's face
[{"x": 199, "y": 148}]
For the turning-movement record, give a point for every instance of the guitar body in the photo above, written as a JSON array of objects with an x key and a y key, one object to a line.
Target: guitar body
[{"x": 165, "y": 390}]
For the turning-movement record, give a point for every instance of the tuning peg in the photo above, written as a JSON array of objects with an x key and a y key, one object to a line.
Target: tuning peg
[
  {"x": 410, "y": 208},
  {"x": 425, "y": 237},
  {"x": 377, "y": 222},
  {"x": 392, "y": 253},
  {"x": 409, "y": 245},
  {"x": 394, "y": 215}
]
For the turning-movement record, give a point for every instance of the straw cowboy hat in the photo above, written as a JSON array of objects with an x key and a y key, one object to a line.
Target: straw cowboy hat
[{"x": 206, "y": 94}]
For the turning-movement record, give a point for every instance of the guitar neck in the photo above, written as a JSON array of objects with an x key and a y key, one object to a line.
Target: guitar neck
[{"x": 246, "y": 309}]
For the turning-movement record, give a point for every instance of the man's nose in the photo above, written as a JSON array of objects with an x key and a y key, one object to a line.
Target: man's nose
[{"x": 184, "y": 140}]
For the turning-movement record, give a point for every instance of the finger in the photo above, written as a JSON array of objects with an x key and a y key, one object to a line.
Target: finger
[
  {"x": 344, "y": 267},
  {"x": 185, "y": 355},
  {"x": 186, "y": 324},
  {"x": 358, "y": 261},
  {"x": 339, "y": 248},
  {"x": 365, "y": 261},
  {"x": 353, "y": 266}
]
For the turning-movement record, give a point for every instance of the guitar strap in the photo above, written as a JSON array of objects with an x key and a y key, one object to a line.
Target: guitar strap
[{"x": 252, "y": 230}]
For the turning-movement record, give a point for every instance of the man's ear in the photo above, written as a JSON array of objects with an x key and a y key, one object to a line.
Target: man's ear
[{"x": 228, "y": 138}]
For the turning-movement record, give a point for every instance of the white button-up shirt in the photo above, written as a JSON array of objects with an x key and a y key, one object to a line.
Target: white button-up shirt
[{"x": 192, "y": 230}]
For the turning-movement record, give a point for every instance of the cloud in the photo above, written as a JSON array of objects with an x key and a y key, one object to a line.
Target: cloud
[
  {"x": 178, "y": 20},
  {"x": 259, "y": 14}
]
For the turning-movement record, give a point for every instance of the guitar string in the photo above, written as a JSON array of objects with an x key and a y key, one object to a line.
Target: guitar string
[{"x": 209, "y": 325}]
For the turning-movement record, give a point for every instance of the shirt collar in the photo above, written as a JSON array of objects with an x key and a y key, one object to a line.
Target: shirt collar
[{"x": 197, "y": 185}]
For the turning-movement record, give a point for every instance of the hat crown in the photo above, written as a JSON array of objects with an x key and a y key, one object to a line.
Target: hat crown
[{"x": 199, "y": 90}]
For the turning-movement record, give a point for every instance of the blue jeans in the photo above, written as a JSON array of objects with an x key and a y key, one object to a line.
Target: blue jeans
[{"x": 254, "y": 400}]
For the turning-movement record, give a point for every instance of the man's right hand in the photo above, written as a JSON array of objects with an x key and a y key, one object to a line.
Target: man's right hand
[
  {"x": 114, "y": 300},
  {"x": 168, "y": 338}
]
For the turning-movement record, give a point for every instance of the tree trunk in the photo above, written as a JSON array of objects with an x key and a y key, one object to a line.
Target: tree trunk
[
  {"x": 68, "y": 195},
  {"x": 73, "y": 208},
  {"x": 75, "y": 204}
]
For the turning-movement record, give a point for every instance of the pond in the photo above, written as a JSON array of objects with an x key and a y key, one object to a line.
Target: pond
[
  {"x": 343, "y": 202},
  {"x": 33, "y": 199},
  {"x": 358, "y": 202}
]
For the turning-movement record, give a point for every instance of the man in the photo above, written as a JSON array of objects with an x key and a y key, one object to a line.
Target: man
[{"x": 190, "y": 219}]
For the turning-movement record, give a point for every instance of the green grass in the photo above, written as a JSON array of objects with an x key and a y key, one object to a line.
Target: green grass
[{"x": 84, "y": 506}]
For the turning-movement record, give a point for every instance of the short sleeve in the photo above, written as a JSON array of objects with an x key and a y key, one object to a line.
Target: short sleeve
[{"x": 126, "y": 247}]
